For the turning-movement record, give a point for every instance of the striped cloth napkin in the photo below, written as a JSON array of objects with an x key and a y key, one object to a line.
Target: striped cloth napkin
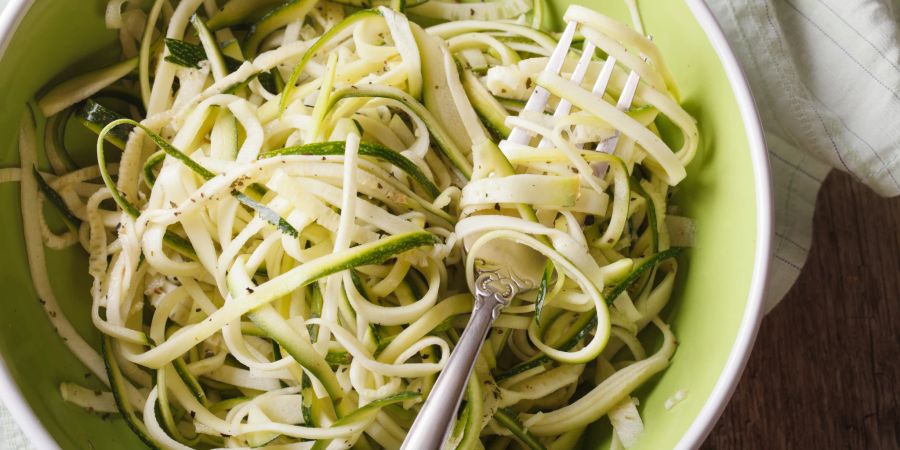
[{"x": 826, "y": 78}]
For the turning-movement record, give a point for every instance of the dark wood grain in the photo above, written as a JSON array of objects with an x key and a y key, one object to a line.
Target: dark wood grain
[{"x": 825, "y": 368}]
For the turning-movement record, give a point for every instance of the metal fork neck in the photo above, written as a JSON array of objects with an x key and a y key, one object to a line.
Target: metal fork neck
[{"x": 431, "y": 428}]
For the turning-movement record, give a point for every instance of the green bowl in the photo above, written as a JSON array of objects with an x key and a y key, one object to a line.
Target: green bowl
[{"x": 719, "y": 300}]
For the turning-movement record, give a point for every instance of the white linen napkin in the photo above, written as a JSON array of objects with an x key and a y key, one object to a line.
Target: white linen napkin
[
  {"x": 826, "y": 78},
  {"x": 825, "y": 75}
]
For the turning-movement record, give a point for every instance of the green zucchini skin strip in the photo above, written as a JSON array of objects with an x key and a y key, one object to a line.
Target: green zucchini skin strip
[
  {"x": 271, "y": 81},
  {"x": 237, "y": 12},
  {"x": 118, "y": 390},
  {"x": 543, "y": 289},
  {"x": 72, "y": 222},
  {"x": 270, "y": 321},
  {"x": 490, "y": 111},
  {"x": 507, "y": 418},
  {"x": 365, "y": 149},
  {"x": 123, "y": 95},
  {"x": 190, "y": 380},
  {"x": 95, "y": 117},
  {"x": 126, "y": 206},
  {"x": 366, "y": 412},
  {"x": 398, "y": 5},
  {"x": 184, "y": 54},
  {"x": 210, "y": 48},
  {"x": 190, "y": 55},
  {"x": 163, "y": 410},
  {"x": 326, "y": 86},
  {"x": 586, "y": 322},
  {"x": 203, "y": 172},
  {"x": 652, "y": 219},
  {"x": 180, "y": 245},
  {"x": 54, "y": 140},
  {"x": 475, "y": 406},
  {"x": 440, "y": 136},
  {"x": 321, "y": 42},
  {"x": 288, "y": 12},
  {"x": 151, "y": 163},
  {"x": 266, "y": 214},
  {"x": 338, "y": 358},
  {"x": 307, "y": 398}
]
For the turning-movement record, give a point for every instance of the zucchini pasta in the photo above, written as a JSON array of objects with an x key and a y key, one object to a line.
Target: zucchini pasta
[{"x": 279, "y": 215}]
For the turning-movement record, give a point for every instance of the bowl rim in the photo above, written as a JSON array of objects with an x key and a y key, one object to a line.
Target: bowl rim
[
  {"x": 734, "y": 366},
  {"x": 13, "y": 399},
  {"x": 753, "y": 311}
]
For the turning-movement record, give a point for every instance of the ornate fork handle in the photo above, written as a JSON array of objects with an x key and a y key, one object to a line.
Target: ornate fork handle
[
  {"x": 500, "y": 288},
  {"x": 493, "y": 291}
]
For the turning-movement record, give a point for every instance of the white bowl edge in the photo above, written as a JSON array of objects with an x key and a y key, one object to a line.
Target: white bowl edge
[
  {"x": 12, "y": 397},
  {"x": 715, "y": 404},
  {"x": 753, "y": 312}
]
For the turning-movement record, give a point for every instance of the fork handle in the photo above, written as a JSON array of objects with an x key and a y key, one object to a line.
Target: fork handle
[{"x": 432, "y": 426}]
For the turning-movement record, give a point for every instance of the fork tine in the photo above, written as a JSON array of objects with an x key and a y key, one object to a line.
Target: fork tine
[
  {"x": 605, "y": 75},
  {"x": 628, "y": 91},
  {"x": 578, "y": 74},
  {"x": 602, "y": 81},
  {"x": 624, "y": 103},
  {"x": 539, "y": 97}
]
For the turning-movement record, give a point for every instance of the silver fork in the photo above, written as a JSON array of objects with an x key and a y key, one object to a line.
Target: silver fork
[
  {"x": 495, "y": 288},
  {"x": 495, "y": 285},
  {"x": 537, "y": 102}
]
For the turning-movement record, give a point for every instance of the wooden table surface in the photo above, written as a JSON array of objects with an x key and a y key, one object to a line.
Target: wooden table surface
[{"x": 824, "y": 372}]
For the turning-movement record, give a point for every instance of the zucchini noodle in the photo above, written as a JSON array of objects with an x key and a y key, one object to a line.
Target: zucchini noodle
[{"x": 290, "y": 197}]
